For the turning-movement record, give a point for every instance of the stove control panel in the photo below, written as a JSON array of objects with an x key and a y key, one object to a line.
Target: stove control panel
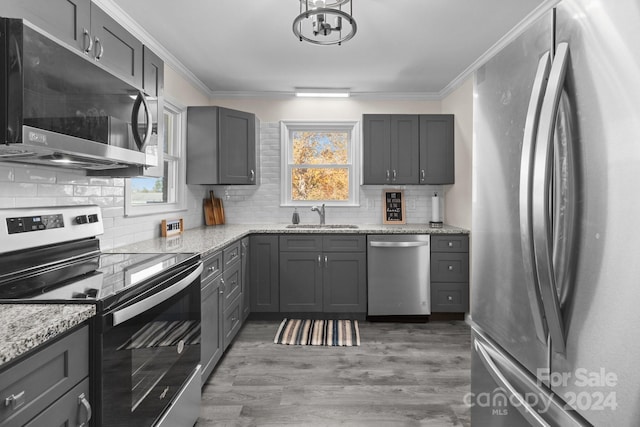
[{"x": 34, "y": 223}]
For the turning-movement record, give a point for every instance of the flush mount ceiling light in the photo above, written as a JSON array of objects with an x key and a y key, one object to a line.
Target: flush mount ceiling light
[
  {"x": 322, "y": 93},
  {"x": 325, "y": 22}
]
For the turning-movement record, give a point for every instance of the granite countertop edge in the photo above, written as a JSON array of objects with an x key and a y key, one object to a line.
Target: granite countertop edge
[
  {"x": 209, "y": 239},
  {"x": 23, "y": 327}
]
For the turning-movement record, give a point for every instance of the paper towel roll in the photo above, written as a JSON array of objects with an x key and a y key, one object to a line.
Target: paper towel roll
[{"x": 435, "y": 208}]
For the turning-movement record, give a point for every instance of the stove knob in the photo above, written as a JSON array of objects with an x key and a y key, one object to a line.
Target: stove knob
[
  {"x": 82, "y": 219},
  {"x": 93, "y": 218}
]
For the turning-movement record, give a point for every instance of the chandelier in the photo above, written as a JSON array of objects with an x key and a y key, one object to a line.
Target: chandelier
[{"x": 325, "y": 22}]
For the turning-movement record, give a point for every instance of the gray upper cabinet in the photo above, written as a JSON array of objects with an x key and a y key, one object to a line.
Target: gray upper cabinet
[
  {"x": 221, "y": 146},
  {"x": 116, "y": 48},
  {"x": 390, "y": 149},
  {"x": 153, "y": 86},
  {"x": 84, "y": 26},
  {"x": 407, "y": 149},
  {"x": 68, "y": 20},
  {"x": 436, "y": 149}
]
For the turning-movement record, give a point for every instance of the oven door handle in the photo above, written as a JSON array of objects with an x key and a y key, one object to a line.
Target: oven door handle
[{"x": 129, "y": 312}]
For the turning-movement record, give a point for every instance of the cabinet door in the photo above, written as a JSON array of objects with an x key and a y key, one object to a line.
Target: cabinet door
[
  {"x": 69, "y": 410},
  {"x": 264, "y": 277},
  {"x": 436, "y": 149},
  {"x": 237, "y": 139},
  {"x": 244, "y": 278},
  {"x": 202, "y": 145},
  {"x": 211, "y": 346},
  {"x": 153, "y": 86},
  {"x": 345, "y": 282},
  {"x": 405, "y": 144},
  {"x": 300, "y": 282},
  {"x": 376, "y": 151},
  {"x": 68, "y": 20},
  {"x": 115, "y": 47},
  {"x": 231, "y": 285}
]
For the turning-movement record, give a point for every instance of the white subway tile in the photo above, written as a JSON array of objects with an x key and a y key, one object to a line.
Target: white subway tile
[
  {"x": 87, "y": 190},
  {"x": 7, "y": 202},
  {"x": 48, "y": 190},
  {"x": 34, "y": 174},
  {"x": 18, "y": 189},
  {"x": 71, "y": 177}
]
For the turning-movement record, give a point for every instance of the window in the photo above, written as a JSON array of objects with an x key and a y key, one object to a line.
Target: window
[
  {"x": 319, "y": 163},
  {"x": 148, "y": 195}
]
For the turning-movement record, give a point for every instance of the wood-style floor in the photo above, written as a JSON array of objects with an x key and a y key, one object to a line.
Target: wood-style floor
[{"x": 403, "y": 374}]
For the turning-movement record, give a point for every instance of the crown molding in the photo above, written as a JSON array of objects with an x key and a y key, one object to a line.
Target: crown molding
[{"x": 408, "y": 96}]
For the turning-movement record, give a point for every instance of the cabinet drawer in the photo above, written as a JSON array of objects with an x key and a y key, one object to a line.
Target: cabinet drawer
[
  {"x": 449, "y": 267},
  {"x": 299, "y": 243},
  {"x": 232, "y": 285},
  {"x": 212, "y": 266},
  {"x": 344, "y": 243},
  {"x": 69, "y": 410},
  {"x": 232, "y": 321},
  {"x": 450, "y": 243},
  {"x": 39, "y": 380},
  {"x": 231, "y": 254},
  {"x": 449, "y": 297}
]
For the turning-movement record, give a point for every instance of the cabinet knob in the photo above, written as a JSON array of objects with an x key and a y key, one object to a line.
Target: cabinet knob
[
  {"x": 211, "y": 269},
  {"x": 449, "y": 298},
  {"x": 450, "y": 268},
  {"x": 450, "y": 244}
]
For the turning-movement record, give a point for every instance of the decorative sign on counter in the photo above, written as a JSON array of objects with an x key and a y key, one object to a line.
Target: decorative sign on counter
[
  {"x": 393, "y": 207},
  {"x": 171, "y": 227}
]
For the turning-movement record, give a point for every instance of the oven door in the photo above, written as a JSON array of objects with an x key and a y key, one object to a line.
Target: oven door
[{"x": 149, "y": 348}]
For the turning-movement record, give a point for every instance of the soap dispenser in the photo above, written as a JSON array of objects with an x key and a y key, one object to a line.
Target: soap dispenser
[{"x": 295, "y": 219}]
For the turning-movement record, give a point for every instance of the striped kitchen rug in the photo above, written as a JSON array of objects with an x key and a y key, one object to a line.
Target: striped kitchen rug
[{"x": 318, "y": 332}]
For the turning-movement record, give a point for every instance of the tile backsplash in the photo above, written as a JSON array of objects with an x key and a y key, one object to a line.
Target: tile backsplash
[{"x": 31, "y": 186}]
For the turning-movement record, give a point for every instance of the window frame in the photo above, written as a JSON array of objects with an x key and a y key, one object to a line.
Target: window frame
[
  {"x": 179, "y": 112},
  {"x": 287, "y": 127}
]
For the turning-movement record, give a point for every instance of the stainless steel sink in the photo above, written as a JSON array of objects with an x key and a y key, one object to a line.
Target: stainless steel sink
[{"x": 328, "y": 226}]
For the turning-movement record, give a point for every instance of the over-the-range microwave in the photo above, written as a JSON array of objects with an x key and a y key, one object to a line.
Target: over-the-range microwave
[{"x": 58, "y": 108}]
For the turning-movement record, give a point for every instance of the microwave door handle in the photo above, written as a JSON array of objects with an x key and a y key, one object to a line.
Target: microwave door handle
[
  {"x": 526, "y": 170},
  {"x": 541, "y": 209},
  {"x": 140, "y": 101},
  {"x": 133, "y": 310}
]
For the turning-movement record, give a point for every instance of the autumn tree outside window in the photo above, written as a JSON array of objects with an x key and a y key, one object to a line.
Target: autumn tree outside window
[{"x": 319, "y": 163}]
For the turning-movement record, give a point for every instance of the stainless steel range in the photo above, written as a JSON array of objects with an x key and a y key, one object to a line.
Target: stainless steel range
[{"x": 145, "y": 355}]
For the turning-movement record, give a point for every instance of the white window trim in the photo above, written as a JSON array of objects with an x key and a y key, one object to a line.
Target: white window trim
[
  {"x": 286, "y": 154},
  {"x": 180, "y": 203}
]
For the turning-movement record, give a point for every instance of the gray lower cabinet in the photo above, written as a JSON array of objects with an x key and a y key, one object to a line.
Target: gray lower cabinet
[
  {"x": 264, "y": 275},
  {"x": 212, "y": 342},
  {"x": 449, "y": 273},
  {"x": 323, "y": 273},
  {"x": 49, "y": 387},
  {"x": 246, "y": 278}
]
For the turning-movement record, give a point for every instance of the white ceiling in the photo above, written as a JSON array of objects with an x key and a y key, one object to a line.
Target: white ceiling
[{"x": 414, "y": 48}]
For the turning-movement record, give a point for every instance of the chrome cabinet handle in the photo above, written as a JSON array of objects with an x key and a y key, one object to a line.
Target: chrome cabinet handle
[
  {"x": 83, "y": 402},
  {"x": 542, "y": 182},
  {"x": 252, "y": 175},
  {"x": 326, "y": 260},
  {"x": 388, "y": 175},
  {"x": 395, "y": 175},
  {"x": 319, "y": 261},
  {"x": 133, "y": 310},
  {"x": 15, "y": 400},
  {"x": 99, "y": 48},
  {"x": 526, "y": 186},
  {"x": 422, "y": 175},
  {"x": 222, "y": 287},
  {"x": 87, "y": 36}
]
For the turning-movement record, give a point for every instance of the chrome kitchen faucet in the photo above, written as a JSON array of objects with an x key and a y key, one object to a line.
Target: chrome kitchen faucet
[{"x": 320, "y": 210}]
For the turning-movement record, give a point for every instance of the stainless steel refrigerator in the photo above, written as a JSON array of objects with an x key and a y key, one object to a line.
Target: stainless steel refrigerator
[{"x": 556, "y": 200}]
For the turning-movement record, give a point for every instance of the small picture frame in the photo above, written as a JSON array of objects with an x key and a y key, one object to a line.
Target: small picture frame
[
  {"x": 393, "y": 207},
  {"x": 171, "y": 227}
]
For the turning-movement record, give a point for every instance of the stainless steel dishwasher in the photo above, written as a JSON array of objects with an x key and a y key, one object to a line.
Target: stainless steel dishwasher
[{"x": 398, "y": 274}]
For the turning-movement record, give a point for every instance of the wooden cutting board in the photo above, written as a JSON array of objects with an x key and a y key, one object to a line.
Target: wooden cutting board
[
  {"x": 209, "y": 217},
  {"x": 218, "y": 210}
]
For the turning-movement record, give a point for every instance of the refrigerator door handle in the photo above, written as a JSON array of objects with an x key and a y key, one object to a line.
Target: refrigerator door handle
[
  {"x": 526, "y": 171},
  {"x": 523, "y": 406},
  {"x": 541, "y": 198}
]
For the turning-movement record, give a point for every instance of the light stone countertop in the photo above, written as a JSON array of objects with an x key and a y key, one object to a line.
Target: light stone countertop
[
  {"x": 208, "y": 239},
  {"x": 25, "y": 326}
]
